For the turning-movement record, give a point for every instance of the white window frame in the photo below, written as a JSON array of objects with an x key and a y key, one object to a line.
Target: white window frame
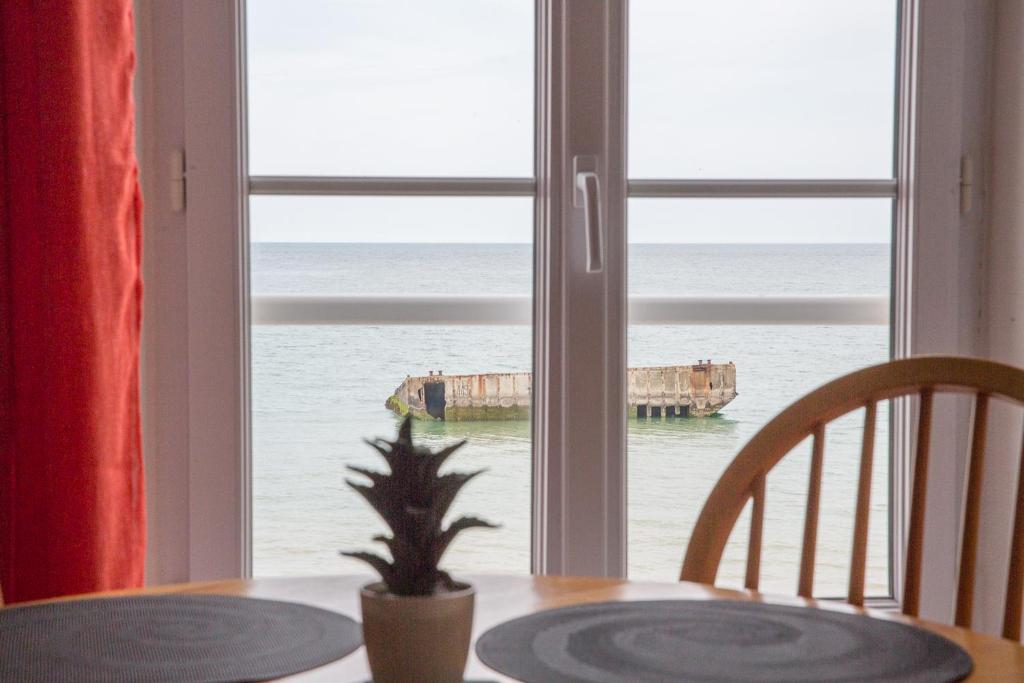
[{"x": 191, "y": 95}]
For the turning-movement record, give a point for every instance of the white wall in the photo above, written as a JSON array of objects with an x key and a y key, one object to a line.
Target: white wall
[
  {"x": 972, "y": 103},
  {"x": 1005, "y": 263},
  {"x": 1003, "y": 314},
  {"x": 952, "y": 120}
]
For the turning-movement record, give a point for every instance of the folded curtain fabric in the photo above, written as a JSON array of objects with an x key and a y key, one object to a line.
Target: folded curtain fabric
[{"x": 71, "y": 484}]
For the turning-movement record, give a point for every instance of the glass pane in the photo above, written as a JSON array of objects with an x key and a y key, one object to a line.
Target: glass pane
[
  {"x": 768, "y": 89},
  {"x": 399, "y": 245},
  {"x": 759, "y": 246},
  {"x": 391, "y": 87},
  {"x": 318, "y": 390},
  {"x": 675, "y": 461}
]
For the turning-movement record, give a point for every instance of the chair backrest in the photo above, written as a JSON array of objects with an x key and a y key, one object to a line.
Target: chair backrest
[{"x": 745, "y": 477}]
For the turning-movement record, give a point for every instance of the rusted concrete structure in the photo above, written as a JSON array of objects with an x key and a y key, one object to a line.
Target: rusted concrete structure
[
  {"x": 680, "y": 390},
  {"x": 661, "y": 392}
]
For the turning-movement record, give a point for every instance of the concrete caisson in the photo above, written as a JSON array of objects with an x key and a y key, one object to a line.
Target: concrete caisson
[{"x": 654, "y": 393}]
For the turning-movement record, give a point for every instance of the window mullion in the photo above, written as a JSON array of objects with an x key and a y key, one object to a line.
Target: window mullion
[
  {"x": 766, "y": 188},
  {"x": 395, "y": 187},
  {"x": 580, "y": 316}
]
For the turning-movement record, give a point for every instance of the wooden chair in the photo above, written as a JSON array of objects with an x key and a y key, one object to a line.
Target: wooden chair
[{"x": 924, "y": 376}]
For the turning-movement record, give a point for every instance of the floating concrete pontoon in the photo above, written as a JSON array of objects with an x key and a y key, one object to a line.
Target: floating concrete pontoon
[{"x": 659, "y": 392}]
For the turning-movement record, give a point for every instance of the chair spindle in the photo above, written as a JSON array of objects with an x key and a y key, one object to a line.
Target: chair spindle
[
  {"x": 756, "y": 534},
  {"x": 969, "y": 540},
  {"x": 925, "y": 376},
  {"x": 806, "y": 586},
  {"x": 1015, "y": 578},
  {"x": 858, "y": 563},
  {"x": 915, "y": 535}
]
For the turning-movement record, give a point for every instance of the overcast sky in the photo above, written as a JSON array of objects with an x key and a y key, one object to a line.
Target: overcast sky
[{"x": 724, "y": 89}]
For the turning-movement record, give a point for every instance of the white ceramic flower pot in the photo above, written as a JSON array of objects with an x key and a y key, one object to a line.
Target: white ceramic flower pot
[{"x": 417, "y": 639}]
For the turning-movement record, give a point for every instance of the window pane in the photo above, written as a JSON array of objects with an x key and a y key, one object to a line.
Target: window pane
[
  {"x": 759, "y": 246},
  {"x": 392, "y": 245},
  {"x": 711, "y": 247},
  {"x": 675, "y": 462},
  {"x": 391, "y": 87},
  {"x": 319, "y": 390},
  {"x": 768, "y": 89}
]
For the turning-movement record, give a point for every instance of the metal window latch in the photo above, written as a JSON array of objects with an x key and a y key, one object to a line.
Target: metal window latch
[{"x": 587, "y": 194}]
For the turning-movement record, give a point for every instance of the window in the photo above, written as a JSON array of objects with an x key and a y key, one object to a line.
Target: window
[
  {"x": 739, "y": 114},
  {"x": 458, "y": 132},
  {"x": 358, "y": 114}
]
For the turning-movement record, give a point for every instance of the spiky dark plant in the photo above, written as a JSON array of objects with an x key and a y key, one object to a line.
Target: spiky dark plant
[{"x": 413, "y": 499}]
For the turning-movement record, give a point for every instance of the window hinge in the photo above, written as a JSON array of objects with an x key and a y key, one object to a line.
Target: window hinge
[
  {"x": 966, "y": 184},
  {"x": 177, "y": 180}
]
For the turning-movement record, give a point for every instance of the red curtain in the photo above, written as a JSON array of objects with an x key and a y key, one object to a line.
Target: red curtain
[{"x": 71, "y": 499}]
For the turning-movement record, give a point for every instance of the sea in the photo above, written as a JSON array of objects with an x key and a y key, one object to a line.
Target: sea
[{"x": 318, "y": 391}]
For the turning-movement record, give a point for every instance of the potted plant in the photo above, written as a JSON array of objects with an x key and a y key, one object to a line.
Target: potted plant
[{"x": 417, "y": 620}]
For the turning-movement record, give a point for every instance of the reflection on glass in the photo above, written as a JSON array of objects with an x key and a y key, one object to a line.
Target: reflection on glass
[
  {"x": 768, "y": 89},
  {"x": 391, "y": 87}
]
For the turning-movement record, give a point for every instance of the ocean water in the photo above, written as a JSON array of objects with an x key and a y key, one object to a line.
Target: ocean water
[{"x": 317, "y": 391}]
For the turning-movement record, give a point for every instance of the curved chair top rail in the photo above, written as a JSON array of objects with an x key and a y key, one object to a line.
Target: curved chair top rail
[
  {"x": 950, "y": 374},
  {"x": 744, "y": 478}
]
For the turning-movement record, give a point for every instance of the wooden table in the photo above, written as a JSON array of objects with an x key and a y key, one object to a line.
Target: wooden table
[{"x": 502, "y": 597}]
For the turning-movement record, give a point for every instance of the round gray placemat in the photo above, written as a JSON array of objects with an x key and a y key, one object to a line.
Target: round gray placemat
[
  {"x": 716, "y": 640},
  {"x": 196, "y": 638}
]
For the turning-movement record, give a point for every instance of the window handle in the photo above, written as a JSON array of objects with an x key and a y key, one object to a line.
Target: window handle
[{"x": 588, "y": 192}]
